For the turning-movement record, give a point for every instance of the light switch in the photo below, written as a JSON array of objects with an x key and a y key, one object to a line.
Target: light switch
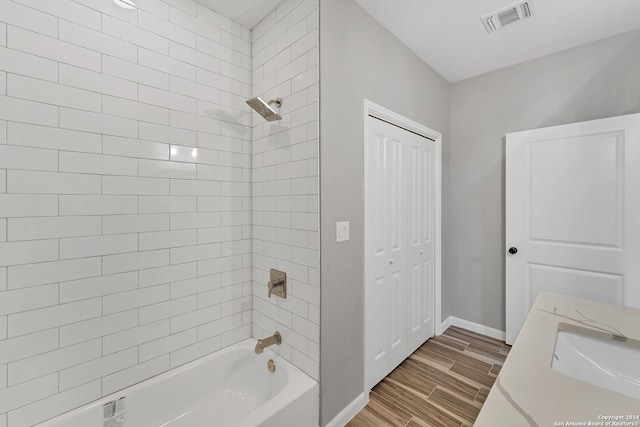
[{"x": 342, "y": 231}]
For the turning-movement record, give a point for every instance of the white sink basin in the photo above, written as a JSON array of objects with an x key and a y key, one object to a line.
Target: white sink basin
[{"x": 598, "y": 358}]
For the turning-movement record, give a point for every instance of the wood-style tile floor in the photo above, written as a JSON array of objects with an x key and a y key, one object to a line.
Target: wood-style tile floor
[{"x": 442, "y": 384}]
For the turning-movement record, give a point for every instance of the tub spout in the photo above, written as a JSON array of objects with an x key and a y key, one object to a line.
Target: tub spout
[{"x": 264, "y": 343}]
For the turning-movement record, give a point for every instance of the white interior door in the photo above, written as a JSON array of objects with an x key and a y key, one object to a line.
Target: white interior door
[
  {"x": 573, "y": 214},
  {"x": 385, "y": 298},
  {"x": 421, "y": 239},
  {"x": 400, "y": 246}
]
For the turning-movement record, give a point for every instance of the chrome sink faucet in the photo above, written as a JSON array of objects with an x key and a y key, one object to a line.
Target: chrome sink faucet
[{"x": 266, "y": 342}]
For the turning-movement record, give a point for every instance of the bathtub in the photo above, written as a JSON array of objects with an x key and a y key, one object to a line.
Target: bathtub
[{"x": 229, "y": 388}]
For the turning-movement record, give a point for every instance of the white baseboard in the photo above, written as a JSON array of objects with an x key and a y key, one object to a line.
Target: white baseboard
[
  {"x": 350, "y": 411},
  {"x": 473, "y": 327}
]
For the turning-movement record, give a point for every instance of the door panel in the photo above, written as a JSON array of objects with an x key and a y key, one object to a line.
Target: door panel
[
  {"x": 398, "y": 317},
  {"x": 421, "y": 227},
  {"x": 377, "y": 345},
  {"x": 386, "y": 254},
  {"x": 570, "y": 281},
  {"x": 572, "y": 211},
  {"x": 397, "y": 262},
  {"x": 395, "y": 196},
  {"x": 415, "y": 280},
  {"x": 420, "y": 302},
  {"x": 376, "y": 280},
  {"x": 378, "y": 178},
  {"x": 580, "y": 201}
]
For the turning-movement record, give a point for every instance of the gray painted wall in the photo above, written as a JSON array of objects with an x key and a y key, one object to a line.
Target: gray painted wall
[
  {"x": 358, "y": 59},
  {"x": 596, "y": 80}
]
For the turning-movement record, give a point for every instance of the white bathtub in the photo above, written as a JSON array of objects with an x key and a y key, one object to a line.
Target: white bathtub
[{"x": 230, "y": 388}]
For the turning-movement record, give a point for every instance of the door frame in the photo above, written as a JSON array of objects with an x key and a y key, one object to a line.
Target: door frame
[{"x": 380, "y": 112}]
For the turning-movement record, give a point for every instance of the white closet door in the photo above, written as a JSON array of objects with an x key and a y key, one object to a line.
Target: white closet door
[
  {"x": 385, "y": 313},
  {"x": 573, "y": 214},
  {"x": 400, "y": 246},
  {"x": 421, "y": 238}
]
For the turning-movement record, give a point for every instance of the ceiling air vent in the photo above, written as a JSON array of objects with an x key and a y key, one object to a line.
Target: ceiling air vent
[{"x": 509, "y": 15}]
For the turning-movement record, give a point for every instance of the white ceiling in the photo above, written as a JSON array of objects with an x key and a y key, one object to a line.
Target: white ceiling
[
  {"x": 247, "y": 13},
  {"x": 449, "y": 35}
]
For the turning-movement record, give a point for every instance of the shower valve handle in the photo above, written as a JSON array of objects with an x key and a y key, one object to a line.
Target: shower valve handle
[
  {"x": 278, "y": 283},
  {"x": 275, "y": 285}
]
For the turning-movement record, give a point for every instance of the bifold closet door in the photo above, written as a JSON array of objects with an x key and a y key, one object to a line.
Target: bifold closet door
[
  {"x": 399, "y": 221},
  {"x": 573, "y": 214},
  {"x": 420, "y": 208},
  {"x": 385, "y": 278}
]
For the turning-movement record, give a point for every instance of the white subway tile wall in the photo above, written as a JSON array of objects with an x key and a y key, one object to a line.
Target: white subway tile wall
[
  {"x": 125, "y": 197},
  {"x": 285, "y": 181}
]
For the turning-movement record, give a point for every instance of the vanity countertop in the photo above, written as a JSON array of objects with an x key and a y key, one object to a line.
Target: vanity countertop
[{"x": 528, "y": 392}]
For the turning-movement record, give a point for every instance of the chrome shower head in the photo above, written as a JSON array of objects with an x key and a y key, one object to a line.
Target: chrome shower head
[{"x": 265, "y": 109}]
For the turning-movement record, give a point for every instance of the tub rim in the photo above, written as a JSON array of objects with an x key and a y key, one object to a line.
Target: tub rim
[{"x": 297, "y": 381}]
